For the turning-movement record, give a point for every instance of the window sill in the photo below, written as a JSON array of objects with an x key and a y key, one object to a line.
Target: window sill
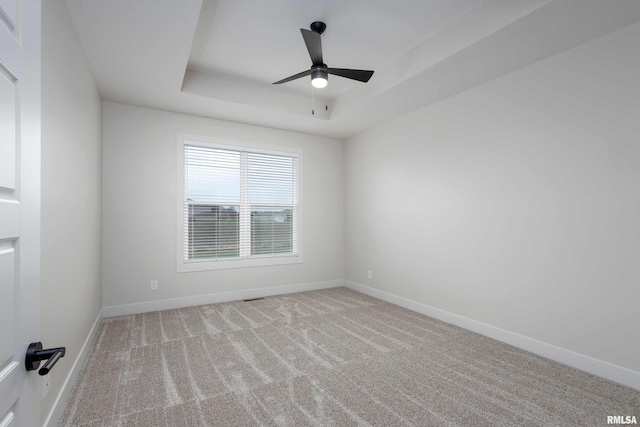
[{"x": 184, "y": 267}]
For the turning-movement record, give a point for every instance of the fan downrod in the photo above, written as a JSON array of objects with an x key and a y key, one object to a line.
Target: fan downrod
[{"x": 318, "y": 27}]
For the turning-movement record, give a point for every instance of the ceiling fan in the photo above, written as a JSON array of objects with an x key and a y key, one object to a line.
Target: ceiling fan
[{"x": 319, "y": 71}]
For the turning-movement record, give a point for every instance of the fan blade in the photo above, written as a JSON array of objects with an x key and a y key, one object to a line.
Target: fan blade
[
  {"x": 314, "y": 46},
  {"x": 360, "y": 75},
  {"x": 295, "y": 76}
]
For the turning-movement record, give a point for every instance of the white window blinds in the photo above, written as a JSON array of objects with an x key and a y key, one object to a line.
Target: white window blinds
[{"x": 239, "y": 204}]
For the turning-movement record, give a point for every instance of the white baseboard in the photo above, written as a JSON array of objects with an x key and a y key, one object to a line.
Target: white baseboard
[
  {"x": 579, "y": 361},
  {"x": 61, "y": 400},
  {"x": 146, "y": 307}
]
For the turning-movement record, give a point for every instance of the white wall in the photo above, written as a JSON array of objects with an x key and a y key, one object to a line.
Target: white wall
[
  {"x": 515, "y": 203},
  {"x": 71, "y": 194},
  {"x": 140, "y": 199}
]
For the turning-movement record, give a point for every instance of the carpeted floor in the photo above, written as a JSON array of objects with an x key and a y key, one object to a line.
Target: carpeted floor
[{"x": 326, "y": 358}]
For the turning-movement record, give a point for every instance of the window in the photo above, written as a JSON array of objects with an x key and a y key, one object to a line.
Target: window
[{"x": 238, "y": 206}]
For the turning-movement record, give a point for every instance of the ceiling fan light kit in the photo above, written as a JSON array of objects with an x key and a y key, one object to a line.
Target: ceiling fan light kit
[
  {"x": 319, "y": 77},
  {"x": 319, "y": 72}
]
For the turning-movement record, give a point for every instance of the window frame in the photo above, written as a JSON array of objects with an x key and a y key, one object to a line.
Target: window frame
[{"x": 259, "y": 261}]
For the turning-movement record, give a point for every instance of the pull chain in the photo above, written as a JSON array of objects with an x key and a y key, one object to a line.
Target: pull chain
[{"x": 313, "y": 100}]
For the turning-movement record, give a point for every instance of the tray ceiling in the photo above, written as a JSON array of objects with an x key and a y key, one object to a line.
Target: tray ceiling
[{"x": 218, "y": 58}]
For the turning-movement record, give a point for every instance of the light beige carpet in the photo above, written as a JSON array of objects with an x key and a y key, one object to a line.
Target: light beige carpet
[{"x": 327, "y": 358}]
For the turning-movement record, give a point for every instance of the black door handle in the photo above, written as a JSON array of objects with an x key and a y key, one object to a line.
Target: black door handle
[{"x": 35, "y": 354}]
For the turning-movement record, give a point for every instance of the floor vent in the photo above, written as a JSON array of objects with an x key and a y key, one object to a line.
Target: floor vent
[{"x": 252, "y": 299}]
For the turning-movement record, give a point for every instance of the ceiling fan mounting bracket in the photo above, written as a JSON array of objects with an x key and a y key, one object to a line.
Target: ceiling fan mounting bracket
[{"x": 318, "y": 27}]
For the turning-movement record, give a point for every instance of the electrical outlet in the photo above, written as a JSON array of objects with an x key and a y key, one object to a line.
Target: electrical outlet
[
  {"x": 369, "y": 274},
  {"x": 46, "y": 385},
  {"x": 154, "y": 285}
]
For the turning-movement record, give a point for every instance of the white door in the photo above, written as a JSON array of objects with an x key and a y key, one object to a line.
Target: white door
[{"x": 19, "y": 209}]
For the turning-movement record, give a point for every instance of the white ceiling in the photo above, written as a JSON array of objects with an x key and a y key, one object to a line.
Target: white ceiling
[
  {"x": 361, "y": 34},
  {"x": 218, "y": 58}
]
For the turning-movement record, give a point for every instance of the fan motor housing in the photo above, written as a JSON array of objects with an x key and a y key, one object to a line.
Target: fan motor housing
[{"x": 320, "y": 73}]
